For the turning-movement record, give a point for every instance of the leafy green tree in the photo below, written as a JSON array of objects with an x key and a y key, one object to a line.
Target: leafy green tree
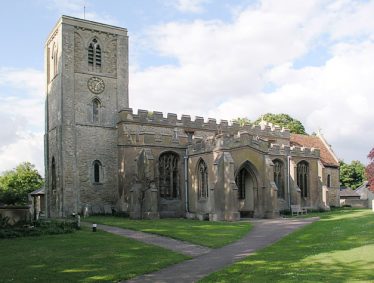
[
  {"x": 284, "y": 120},
  {"x": 369, "y": 170},
  {"x": 17, "y": 183},
  {"x": 352, "y": 175},
  {"x": 241, "y": 121}
]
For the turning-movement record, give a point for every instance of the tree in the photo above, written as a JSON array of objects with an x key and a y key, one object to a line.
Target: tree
[
  {"x": 241, "y": 121},
  {"x": 284, "y": 120},
  {"x": 16, "y": 184},
  {"x": 369, "y": 170},
  {"x": 352, "y": 175}
]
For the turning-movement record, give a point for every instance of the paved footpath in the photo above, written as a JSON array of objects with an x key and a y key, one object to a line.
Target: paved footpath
[
  {"x": 165, "y": 242},
  {"x": 206, "y": 261}
]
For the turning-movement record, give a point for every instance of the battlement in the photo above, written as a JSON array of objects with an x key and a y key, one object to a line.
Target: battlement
[
  {"x": 156, "y": 118},
  {"x": 226, "y": 142},
  {"x": 277, "y": 149}
]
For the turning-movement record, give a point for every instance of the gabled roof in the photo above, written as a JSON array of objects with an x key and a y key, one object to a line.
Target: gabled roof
[
  {"x": 348, "y": 192},
  {"x": 327, "y": 156},
  {"x": 363, "y": 187},
  {"x": 38, "y": 192}
]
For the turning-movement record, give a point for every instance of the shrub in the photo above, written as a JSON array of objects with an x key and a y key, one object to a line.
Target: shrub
[{"x": 38, "y": 228}]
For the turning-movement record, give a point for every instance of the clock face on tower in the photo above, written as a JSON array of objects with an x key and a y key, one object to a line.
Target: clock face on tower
[{"x": 96, "y": 85}]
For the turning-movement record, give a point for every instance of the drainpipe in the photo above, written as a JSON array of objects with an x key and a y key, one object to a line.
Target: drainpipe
[
  {"x": 288, "y": 181},
  {"x": 186, "y": 179}
]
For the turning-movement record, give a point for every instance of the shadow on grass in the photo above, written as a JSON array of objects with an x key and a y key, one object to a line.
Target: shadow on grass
[
  {"x": 80, "y": 257},
  {"x": 338, "y": 248},
  {"x": 210, "y": 234}
]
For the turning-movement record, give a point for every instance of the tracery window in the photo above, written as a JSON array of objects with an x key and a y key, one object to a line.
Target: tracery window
[
  {"x": 303, "y": 177},
  {"x": 169, "y": 177},
  {"x": 96, "y": 105},
  {"x": 202, "y": 179},
  {"x": 94, "y": 54},
  {"x": 279, "y": 177},
  {"x": 97, "y": 172}
]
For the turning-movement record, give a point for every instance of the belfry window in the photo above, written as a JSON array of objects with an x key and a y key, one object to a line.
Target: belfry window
[
  {"x": 169, "y": 176},
  {"x": 303, "y": 177},
  {"x": 96, "y": 105},
  {"x": 97, "y": 172},
  {"x": 94, "y": 54},
  {"x": 279, "y": 177},
  {"x": 202, "y": 179}
]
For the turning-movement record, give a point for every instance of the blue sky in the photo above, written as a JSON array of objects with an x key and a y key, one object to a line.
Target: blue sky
[{"x": 211, "y": 58}]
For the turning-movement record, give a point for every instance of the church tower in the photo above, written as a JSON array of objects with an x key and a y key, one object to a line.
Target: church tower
[{"x": 86, "y": 66}]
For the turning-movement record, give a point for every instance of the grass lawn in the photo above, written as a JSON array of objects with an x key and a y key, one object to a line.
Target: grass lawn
[
  {"x": 82, "y": 256},
  {"x": 338, "y": 248},
  {"x": 205, "y": 233}
]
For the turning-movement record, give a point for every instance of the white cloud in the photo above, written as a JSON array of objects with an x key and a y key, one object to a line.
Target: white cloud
[
  {"x": 190, "y": 6},
  {"x": 27, "y": 148},
  {"x": 223, "y": 68},
  {"x": 22, "y": 116}
]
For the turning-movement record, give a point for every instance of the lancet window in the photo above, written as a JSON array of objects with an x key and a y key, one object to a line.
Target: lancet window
[
  {"x": 97, "y": 172},
  {"x": 53, "y": 169},
  {"x": 96, "y": 105}
]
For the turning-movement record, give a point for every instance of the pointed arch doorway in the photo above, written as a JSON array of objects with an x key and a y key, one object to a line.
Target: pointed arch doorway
[{"x": 247, "y": 184}]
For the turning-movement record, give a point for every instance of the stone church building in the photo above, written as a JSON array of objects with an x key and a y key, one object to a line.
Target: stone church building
[{"x": 101, "y": 156}]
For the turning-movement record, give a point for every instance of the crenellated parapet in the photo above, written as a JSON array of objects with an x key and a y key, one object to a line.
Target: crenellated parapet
[
  {"x": 158, "y": 119},
  {"x": 226, "y": 141},
  {"x": 295, "y": 151}
]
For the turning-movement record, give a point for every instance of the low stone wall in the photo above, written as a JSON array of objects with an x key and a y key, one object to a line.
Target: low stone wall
[
  {"x": 358, "y": 203},
  {"x": 16, "y": 214}
]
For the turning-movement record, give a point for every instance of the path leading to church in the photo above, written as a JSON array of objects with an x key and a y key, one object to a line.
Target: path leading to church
[
  {"x": 164, "y": 242},
  {"x": 206, "y": 261}
]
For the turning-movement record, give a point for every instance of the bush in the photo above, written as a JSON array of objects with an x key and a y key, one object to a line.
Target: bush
[{"x": 38, "y": 228}]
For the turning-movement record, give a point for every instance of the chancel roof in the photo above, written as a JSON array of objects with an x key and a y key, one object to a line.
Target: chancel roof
[{"x": 327, "y": 156}]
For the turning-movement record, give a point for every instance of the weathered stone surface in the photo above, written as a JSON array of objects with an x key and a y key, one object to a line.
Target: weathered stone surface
[{"x": 108, "y": 157}]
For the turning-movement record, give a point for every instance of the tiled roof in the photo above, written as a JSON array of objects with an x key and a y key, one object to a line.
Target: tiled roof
[
  {"x": 348, "y": 192},
  {"x": 326, "y": 154}
]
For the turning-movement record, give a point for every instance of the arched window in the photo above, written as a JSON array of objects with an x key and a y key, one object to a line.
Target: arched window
[
  {"x": 202, "y": 179},
  {"x": 279, "y": 177},
  {"x": 53, "y": 173},
  {"x": 303, "y": 177},
  {"x": 94, "y": 54},
  {"x": 328, "y": 180},
  {"x": 97, "y": 172},
  {"x": 96, "y": 105},
  {"x": 169, "y": 177}
]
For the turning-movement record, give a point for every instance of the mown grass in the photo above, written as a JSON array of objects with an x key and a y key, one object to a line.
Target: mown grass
[
  {"x": 83, "y": 256},
  {"x": 205, "y": 233},
  {"x": 338, "y": 248}
]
